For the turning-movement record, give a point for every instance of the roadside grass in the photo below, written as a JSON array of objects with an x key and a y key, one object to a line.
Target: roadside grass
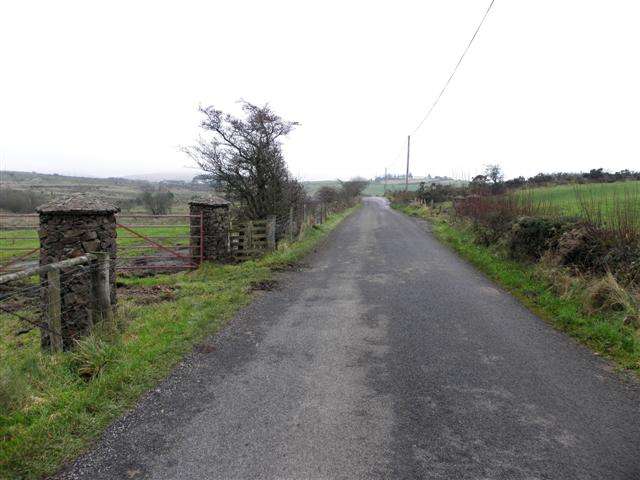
[
  {"x": 604, "y": 332},
  {"x": 52, "y": 406}
]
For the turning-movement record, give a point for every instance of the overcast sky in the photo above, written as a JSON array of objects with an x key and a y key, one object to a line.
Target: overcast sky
[{"x": 112, "y": 88}]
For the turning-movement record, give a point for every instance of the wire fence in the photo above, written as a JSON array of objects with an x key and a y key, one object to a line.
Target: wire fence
[
  {"x": 289, "y": 227},
  {"x": 63, "y": 300}
]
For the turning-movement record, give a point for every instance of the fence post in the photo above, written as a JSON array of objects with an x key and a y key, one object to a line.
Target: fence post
[
  {"x": 201, "y": 238},
  {"x": 303, "y": 221},
  {"x": 290, "y": 228},
  {"x": 271, "y": 233},
  {"x": 54, "y": 310},
  {"x": 248, "y": 237},
  {"x": 101, "y": 288}
]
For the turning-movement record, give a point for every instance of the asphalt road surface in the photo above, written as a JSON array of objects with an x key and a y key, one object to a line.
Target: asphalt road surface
[{"x": 386, "y": 357}]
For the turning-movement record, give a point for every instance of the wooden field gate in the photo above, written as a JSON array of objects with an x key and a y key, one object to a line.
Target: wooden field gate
[{"x": 252, "y": 238}]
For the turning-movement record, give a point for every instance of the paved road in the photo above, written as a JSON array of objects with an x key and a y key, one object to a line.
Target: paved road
[{"x": 388, "y": 357}]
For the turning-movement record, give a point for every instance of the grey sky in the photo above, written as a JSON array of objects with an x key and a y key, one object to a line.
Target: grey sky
[{"x": 111, "y": 88}]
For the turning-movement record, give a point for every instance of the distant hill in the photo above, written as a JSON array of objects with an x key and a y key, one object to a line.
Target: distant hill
[
  {"x": 23, "y": 179},
  {"x": 163, "y": 176},
  {"x": 121, "y": 191}
]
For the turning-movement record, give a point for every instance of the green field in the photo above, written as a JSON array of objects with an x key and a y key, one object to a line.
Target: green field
[{"x": 567, "y": 200}]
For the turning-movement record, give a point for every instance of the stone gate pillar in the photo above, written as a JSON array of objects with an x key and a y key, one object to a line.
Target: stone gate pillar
[
  {"x": 72, "y": 227},
  {"x": 215, "y": 228}
]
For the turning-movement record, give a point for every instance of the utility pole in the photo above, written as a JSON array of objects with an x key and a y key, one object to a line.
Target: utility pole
[
  {"x": 406, "y": 178},
  {"x": 385, "y": 181}
]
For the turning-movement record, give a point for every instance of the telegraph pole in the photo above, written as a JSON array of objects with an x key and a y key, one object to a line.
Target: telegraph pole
[
  {"x": 406, "y": 178},
  {"x": 385, "y": 181}
]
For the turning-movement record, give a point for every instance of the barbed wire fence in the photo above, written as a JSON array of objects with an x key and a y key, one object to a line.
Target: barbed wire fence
[{"x": 63, "y": 300}]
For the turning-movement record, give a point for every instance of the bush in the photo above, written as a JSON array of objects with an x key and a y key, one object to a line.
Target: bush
[
  {"x": 530, "y": 237},
  {"x": 402, "y": 197},
  {"x": 20, "y": 201},
  {"x": 157, "y": 201},
  {"x": 599, "y": 250}
]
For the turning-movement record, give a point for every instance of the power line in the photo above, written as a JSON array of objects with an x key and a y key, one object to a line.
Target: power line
[
  {"x": 475, "y": 34},
  {"x": 398, "y": 156},
  {"x": 455, "y": 69}
]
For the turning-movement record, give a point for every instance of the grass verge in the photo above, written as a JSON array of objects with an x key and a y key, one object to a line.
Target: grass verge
[
  {"x": 605, "y": 333},
  {"x": 53, "y": 406}
]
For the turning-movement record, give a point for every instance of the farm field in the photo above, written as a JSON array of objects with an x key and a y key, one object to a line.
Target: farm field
[{"x": 567, "y": 199}]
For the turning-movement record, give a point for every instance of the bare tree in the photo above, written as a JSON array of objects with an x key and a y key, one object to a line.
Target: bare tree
[
  {"x": 494, "y": 173},
  {"x": 157, "y": 200},
  {"x": 354, "y": 187},
  {"x": 327, "y": 194},
  {"x": 244, "y": 157},
  {"x": 346, "y": 194}
]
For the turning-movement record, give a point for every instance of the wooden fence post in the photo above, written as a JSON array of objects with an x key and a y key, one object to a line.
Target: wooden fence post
[
  {"x": 54, "y": 310},
  {"x": 271, "y": 233},
  {"x": 248, "y": 236},
  {"x": 101, "y": 288},
  {"x": 290, "y": 225}
]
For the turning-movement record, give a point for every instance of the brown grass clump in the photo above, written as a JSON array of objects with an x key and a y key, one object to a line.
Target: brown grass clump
[
  {"x": 565, "y": 282},
  {"x": 606, "y": 295}
]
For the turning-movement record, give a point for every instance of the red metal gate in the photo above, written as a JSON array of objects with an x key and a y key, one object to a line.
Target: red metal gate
[
  {"x": 145, "y": 242},
  {"x": 159, "y": 242},
  {"x": 19, "y": 242}
]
